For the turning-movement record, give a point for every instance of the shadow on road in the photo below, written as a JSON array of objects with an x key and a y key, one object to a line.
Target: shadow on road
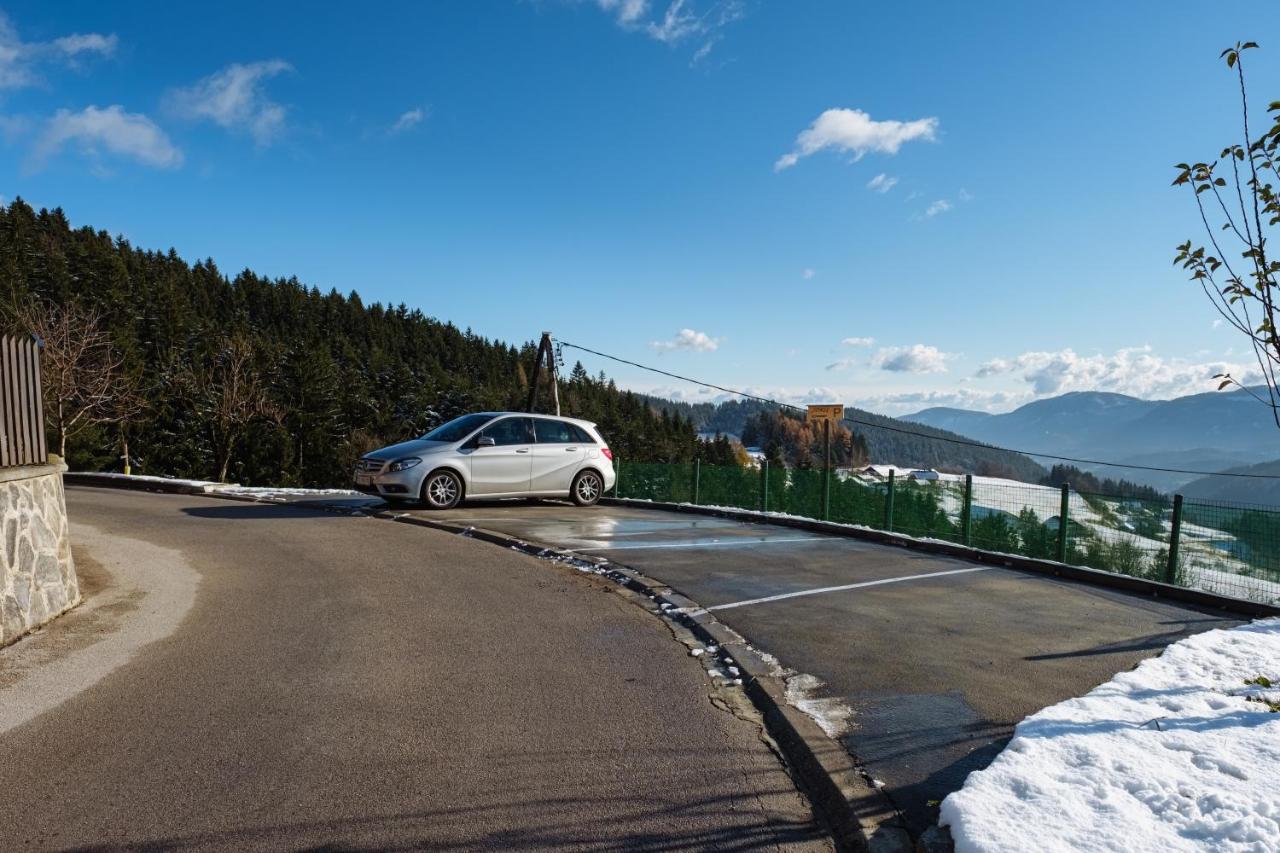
[
  {"x": 542, "y": 824},
  {"x": 260, "y": 512}
]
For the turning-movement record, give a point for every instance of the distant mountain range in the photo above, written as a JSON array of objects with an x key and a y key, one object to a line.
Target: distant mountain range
[
  {"x": 1203, "y": 432},
  {"x": 888, "y": 439}
]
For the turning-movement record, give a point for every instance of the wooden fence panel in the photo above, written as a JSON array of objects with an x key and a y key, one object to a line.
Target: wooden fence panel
[{"x": 22, "y": 439}]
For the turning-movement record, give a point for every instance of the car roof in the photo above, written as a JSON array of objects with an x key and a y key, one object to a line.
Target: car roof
[{"x": 578, "y": 421}]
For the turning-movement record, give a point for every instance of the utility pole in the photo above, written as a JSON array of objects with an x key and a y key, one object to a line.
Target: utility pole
[{"x": 545, "y": 352}]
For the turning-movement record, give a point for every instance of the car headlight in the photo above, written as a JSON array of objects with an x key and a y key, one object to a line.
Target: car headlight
[{"x": 404, "y": 464}]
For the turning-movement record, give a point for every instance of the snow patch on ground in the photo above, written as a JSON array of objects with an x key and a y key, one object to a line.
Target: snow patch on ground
[
  {"x": 270, "y": 493},
  {"x": 146, "y": 478},
  {"x": 832, "y": 715},
  {"x": 1179, "y": 754}
]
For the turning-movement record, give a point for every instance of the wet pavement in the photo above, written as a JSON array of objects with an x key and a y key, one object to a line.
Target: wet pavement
[{"x": 937, "y": 657}]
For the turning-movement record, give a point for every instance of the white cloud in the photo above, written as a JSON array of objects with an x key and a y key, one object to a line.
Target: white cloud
[
  {"x": 233, "y": 98},
  {"x": 858, "y": 342},
  {"x": 1134, "y": 370},
  {"x": 856, "y": 132},
  {"x": 19, "y": 59},
  {"x": 78, "y": 43},
  {"x": 881, "y": 183},
  {"x": 678, "y": 21},
  {"x": 626, "y": 11},
  {"x": 808, "y": 273},
  {"x": 408, "y": 119},
  {"x": 939, "y": 206},
  {"x": 130, "y": 135},
  {"x": 917, "y": 358},
  {"x": 689, "y": 340},
  {"x": 842, "y": 364}
]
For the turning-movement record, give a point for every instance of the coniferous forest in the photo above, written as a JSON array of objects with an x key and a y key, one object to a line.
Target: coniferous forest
[{"x": 276, "y": 381}]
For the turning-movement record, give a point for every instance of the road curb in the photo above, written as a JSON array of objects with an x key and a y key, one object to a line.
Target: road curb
[
  {"x": 1096, "y": 577},
  {"x": 860, "y": 816}
]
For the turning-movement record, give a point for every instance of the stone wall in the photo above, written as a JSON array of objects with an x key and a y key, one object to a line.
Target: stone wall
[{"x": 37, "y": 575}]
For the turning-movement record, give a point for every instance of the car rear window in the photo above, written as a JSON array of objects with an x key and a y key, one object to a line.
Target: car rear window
[
  {"x": 581, "y": 434},
  {"x": 553, "y": 432}
]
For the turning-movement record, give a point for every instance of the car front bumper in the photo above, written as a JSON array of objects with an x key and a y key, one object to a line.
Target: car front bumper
[{"x": 392, "y": 484}]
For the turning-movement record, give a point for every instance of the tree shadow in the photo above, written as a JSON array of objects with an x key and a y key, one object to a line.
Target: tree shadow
[
  {"x": 549, "y": 823},
  {"x": 1148, "y": 643},
  {"x": 262, "y": 512}
]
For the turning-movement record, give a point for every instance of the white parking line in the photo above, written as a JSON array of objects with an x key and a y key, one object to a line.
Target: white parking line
[
  {"x": 715, "y": 544},
  {"x": 823, "y": 589}
]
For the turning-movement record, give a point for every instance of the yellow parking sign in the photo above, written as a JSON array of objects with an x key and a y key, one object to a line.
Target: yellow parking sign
[{"x": 818, "y": 414}]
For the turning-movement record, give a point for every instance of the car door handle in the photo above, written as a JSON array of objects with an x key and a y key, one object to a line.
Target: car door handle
[
  {"x": 570, "y": 449},
  {"x": 523, "y": 450}
]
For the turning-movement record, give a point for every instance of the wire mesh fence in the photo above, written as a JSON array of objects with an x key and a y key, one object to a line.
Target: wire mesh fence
[{"x": 1228, "y": 549}]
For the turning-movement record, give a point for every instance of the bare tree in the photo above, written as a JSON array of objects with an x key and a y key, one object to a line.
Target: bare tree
[
  {"x": 80, "y": 369},
  {"x": 124, "y": 409},
  {"x": 232, "y": 395},
  {"x": 1238, "y": 213}
]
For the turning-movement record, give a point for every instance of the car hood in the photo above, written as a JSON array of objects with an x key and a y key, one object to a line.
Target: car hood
[{"x": 413, "y": 447}]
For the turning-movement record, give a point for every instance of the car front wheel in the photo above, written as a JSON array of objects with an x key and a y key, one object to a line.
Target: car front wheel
[
  {"x": 442, "y": 490},
  {"x": 587, "y": 488}
]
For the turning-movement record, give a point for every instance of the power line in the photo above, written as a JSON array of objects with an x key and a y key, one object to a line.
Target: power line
[{"x": 961, "y": 441}]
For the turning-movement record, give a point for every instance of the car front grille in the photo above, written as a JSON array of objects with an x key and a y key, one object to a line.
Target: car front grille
[{"x": 369, "y": 466}]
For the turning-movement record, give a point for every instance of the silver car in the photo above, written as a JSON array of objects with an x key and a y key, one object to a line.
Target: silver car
[{"x": 493, "y": 455}]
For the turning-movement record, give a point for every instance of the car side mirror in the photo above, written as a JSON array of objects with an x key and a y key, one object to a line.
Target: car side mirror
[{"x": 486, "y": 441}]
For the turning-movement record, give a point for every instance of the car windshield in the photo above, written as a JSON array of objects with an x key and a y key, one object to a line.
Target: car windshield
[{"x": 458, "y": 428}]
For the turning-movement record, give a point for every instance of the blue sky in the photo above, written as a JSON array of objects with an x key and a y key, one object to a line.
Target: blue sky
[{"x": 690, "y": 184}]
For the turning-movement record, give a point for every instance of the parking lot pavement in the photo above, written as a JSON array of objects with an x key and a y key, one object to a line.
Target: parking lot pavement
[{"x": 938, "y": 658}]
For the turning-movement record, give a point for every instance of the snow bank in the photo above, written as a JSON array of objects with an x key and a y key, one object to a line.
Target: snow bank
[
  {"x": 270, "y": 493},
  {"x": 1176, "y": 755},
  {"x": 147, "y": 478}
]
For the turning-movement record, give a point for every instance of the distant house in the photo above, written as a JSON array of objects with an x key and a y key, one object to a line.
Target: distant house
[
  {"x": 1074, "y": 528},
  {"x": 925, "y": 475},
  {"x": 882, "y": 472}
]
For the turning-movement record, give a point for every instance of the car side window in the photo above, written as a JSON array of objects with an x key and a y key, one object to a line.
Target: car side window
[
  {"x": 510, "y": 431},
  {"x": 580, "y": 434},
  {"x": 553, "y": 432}
]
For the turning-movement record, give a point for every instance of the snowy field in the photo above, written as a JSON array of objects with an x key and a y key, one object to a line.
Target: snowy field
[
  {"x": 1181, "y": 754},
  {"x": 1208, "y": 567}
]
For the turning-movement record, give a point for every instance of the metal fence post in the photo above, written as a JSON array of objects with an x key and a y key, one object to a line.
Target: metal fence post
[
  {"x": 697, "y": 478},
  {"x": 888, "y": 505},
  {"x": 826, "y": 470},
  {"x": 764, "y": 486},
  {"x": 968, "y": 510},
  {"x": 617, "y": 478},
  {"x": 1175, "y": 533},
  {"x": 1062, "y": 522}
]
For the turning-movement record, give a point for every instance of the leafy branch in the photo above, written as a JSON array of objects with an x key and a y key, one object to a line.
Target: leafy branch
[{"x": 1242, "y": 291}]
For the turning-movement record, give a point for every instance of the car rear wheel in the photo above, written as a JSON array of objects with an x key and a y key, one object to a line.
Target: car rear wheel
[
  {"x": 587, "y": 488},
  {"x": 442, "y": 490}
]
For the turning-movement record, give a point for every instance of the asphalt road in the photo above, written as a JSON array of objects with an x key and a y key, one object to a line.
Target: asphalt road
[
  {"x": 939, "y": 663},
  {"x": 350, "y": 684}
]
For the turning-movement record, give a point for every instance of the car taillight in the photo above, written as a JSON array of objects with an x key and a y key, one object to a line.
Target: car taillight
[{"x": 608, "y": 454}]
